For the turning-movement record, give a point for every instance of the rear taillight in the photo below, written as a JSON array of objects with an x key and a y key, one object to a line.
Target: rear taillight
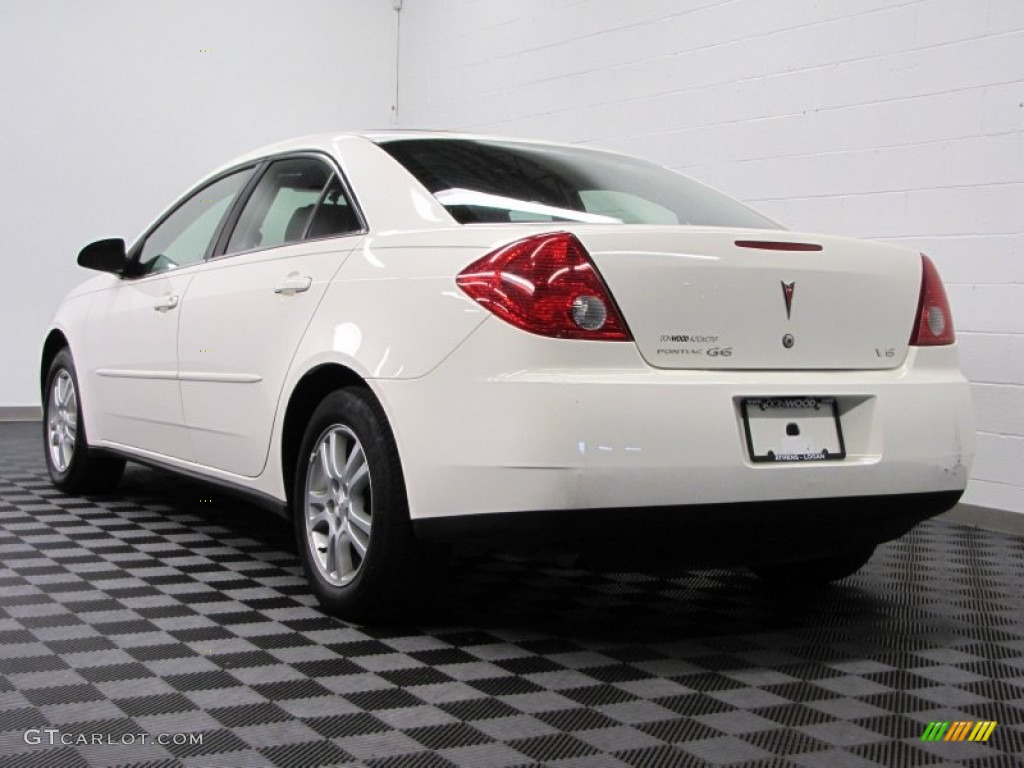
[
  {"x": 934, "y": 324},
  {"x": 548, "y": 285}
]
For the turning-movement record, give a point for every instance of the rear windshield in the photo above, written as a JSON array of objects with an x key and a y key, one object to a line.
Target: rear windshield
[{"x": 499, "y": 181}]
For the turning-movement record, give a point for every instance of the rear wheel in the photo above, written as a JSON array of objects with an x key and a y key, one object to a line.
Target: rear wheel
[
  {"x": 818, "y": 571},
  {"x": 73, "y": 466},
  {"x": 350, "y": 510}
]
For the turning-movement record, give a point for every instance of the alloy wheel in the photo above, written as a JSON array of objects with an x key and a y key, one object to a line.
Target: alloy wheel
[
  {"x": 62, "y": 420},
  {"x": 338, "y": 505}
]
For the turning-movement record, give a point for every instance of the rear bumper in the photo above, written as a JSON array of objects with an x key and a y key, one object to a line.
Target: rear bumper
[
  {"x": 710, "y": 534},
  {"x": 513, "y": 423}
]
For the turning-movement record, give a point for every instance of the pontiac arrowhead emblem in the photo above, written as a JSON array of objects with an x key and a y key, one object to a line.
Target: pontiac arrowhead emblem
[{"x": 787, "y": 294}]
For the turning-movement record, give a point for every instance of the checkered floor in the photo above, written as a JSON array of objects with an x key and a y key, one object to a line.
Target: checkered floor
[{"x": 171, "y": 609}]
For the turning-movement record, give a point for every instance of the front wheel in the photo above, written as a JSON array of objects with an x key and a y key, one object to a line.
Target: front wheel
[
  {"x": 818, "y": 571},
  {"x": 73, "y": 466},
  {"x": 350, "y": 510}
]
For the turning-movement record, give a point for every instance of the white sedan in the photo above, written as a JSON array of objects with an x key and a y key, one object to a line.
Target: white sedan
[{"x": 398, "y": 337}]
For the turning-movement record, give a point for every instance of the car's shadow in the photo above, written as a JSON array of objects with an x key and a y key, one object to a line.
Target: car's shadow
[{"x": 481, "y": 589}]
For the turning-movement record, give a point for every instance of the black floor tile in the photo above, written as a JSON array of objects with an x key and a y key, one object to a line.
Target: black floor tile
[{"x": 107, "y": 626}]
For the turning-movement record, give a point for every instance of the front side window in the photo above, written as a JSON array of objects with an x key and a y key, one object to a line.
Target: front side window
[
  {"x": 506, "y": 181},
  {"x": 184, "y": 237},
  {"x": 288, "y": 205}
]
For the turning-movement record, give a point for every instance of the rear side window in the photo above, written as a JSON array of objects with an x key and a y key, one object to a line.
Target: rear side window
[
  {"x": 335, "y": 214},
  {"x": 286, "y": 200},
  {"x": 498, "y": 181}
]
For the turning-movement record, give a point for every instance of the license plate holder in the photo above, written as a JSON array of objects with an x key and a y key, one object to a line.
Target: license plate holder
[{"x": 785, "y": 430}]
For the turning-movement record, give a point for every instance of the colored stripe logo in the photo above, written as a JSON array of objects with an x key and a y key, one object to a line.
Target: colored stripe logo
[{"x": 960, "y": 730}]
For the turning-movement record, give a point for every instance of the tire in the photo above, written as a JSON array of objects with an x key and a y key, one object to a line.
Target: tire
[
  {"x": 74, "y": 466},
  {"x": 816, "y": 572},
  {"x": 350, "y": 510}
]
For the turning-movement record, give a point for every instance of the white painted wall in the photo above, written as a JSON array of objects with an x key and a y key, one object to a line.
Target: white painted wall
[
  {"x": 111, "y": 109},
  {"x": 894, "y": 119}
]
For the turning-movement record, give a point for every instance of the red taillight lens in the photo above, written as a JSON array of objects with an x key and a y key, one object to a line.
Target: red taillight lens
[
  {"x": 934, "y": 325},
  {"x": 546, "y": 285}
]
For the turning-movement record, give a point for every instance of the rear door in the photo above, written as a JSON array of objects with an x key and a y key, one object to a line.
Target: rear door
[{"x": 249, "y": 306}]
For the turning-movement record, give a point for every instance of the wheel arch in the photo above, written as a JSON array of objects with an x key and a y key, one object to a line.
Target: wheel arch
[
  {"x": 55, "y": 342},
  {"x": 307, "y": 394}
]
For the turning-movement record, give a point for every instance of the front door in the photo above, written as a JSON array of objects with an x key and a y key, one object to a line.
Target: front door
[{"x": 132, "y": 333}]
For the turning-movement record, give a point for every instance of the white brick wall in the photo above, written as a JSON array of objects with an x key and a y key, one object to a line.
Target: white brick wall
[{"x": 894, "y": 119}]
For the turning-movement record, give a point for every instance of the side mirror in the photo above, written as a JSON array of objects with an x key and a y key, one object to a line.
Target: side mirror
[{"x": 104, "y": 256}]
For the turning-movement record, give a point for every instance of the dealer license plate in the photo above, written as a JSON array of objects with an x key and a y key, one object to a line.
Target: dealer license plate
[{"x": 788, "y": 429}]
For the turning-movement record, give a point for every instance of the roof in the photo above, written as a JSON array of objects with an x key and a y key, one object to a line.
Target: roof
[
  {"x": 327, "y": 142},
  {"x": 377, "y": 136}
]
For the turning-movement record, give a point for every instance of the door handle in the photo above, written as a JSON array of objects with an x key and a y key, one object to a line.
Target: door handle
[
  {"x": 293, "y": 284},
  {"x": 169, "y": 301}
]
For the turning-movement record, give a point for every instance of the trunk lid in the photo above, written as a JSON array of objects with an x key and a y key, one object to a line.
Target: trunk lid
[{"x": 696, "y": 299}]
